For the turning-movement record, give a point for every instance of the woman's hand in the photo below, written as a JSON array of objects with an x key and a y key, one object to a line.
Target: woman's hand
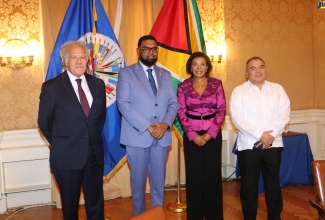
[
  {"x": 199, "y": 141},
  {"x": 206, "y": 137}
]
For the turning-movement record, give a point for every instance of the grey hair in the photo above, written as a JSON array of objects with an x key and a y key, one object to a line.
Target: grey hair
[{"x": 65, "y": 48}]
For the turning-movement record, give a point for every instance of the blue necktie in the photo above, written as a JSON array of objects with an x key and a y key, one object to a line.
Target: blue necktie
[{"x": 152, "y": 81}]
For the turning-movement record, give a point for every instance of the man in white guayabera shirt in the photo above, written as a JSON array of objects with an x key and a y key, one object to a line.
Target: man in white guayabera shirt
[{"x": 260, "y": 110}]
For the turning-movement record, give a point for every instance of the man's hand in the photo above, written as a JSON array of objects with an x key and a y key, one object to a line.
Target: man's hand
[
  {"x": 157, "y": 130},
  {"x": 258, "y": 145},
  {"x": 267, "y": 139},
  {"x": 151, "y": 129}
]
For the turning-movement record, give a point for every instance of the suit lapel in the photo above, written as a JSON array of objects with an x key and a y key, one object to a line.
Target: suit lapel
[
  {"x": 141, "y": 75},
  {"x": 159, "y": 77},
  {"x": 211, "y": 88},
  {"x": 93, "y": 91},
  {"x": 69, "y": 88}
]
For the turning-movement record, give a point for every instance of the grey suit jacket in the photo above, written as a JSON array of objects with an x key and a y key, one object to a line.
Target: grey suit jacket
[{"x": 140, "y": 108}]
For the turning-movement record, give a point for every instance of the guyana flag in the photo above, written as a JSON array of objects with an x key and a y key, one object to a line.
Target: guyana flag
[{"x": 179, "y": 33}]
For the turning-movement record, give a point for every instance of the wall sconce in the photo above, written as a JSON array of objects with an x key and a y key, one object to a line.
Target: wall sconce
[
  {"x": 218, "y": 60},
  {"x": 214, "y": 52},
  {"x": 16, "y": 53}
]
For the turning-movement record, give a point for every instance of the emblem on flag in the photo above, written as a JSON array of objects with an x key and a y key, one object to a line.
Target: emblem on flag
[
  {"x": 105, "y": 60},
  {"x": 86, "y": 21}
]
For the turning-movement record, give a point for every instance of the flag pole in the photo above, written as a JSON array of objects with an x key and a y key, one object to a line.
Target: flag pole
[
  {"x": 178, "y": 206},
  {"x": 95, "y": 18}
]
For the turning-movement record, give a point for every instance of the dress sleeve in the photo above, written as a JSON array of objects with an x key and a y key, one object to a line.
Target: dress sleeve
[
  {"x": 221, "y": 112},
  {"x": 183, "y": 119}
]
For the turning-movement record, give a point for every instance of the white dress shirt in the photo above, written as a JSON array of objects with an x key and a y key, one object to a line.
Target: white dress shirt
[
  {"x": 254, "y": 111},
  {"x": 153, "y": 73},
  {"x": 84, "y": 86}
]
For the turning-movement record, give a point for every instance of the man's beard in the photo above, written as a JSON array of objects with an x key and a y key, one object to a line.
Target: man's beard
[{"x": 148, "y": 62}]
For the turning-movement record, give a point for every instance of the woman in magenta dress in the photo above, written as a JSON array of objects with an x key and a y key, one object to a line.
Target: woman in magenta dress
[{"x": 202, "y": 109}]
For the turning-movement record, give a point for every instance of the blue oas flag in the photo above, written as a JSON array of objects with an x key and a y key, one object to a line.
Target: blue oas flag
[{"x": 86, "y": 21}]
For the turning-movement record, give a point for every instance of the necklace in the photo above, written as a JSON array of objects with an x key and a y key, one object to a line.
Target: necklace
[{"x": 200, "y": 85}]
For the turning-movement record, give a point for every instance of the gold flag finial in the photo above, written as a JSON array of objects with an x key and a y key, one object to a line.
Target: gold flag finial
[{"x": 95, "y": 17}]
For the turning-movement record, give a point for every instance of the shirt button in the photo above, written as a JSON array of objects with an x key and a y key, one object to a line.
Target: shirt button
[
  {"x": 155, "y": 117},
  {"x": 156, "y": 104}
]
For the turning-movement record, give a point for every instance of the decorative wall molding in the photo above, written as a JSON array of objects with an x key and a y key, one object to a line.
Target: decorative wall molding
[
  {"x": 28, "y": 148},
  {"x": 24, "y": 168}
]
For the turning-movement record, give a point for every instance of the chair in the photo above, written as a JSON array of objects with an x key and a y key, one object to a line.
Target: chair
[
  {"x": 318, "y": 203},
  {"x": 156, "y": 213}
]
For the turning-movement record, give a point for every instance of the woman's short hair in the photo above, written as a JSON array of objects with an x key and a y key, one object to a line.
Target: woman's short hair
[{"x": 195, "y": 55}]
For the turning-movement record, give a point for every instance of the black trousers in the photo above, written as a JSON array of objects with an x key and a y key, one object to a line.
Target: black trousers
[
  {"x": 90, "y": 178},
  {"x": 203, "y": 179},
  {"x": 250, "y": 164}
]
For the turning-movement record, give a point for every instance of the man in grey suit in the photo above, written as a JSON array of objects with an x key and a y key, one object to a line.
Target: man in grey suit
[{"x": 148, "y": 104}]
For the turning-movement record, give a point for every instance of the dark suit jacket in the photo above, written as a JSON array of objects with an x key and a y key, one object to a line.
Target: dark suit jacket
[{"x": 65, "y": 126}]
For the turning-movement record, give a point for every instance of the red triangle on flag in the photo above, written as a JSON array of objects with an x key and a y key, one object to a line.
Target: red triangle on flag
[{"x": 170, "y": 28}]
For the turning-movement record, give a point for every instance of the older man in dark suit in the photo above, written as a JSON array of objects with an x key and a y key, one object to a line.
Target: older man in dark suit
[{"x": 71, "y": 116}]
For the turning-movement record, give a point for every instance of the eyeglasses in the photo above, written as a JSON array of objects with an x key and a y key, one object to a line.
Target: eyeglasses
[{"x": 150, "y": 49}]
